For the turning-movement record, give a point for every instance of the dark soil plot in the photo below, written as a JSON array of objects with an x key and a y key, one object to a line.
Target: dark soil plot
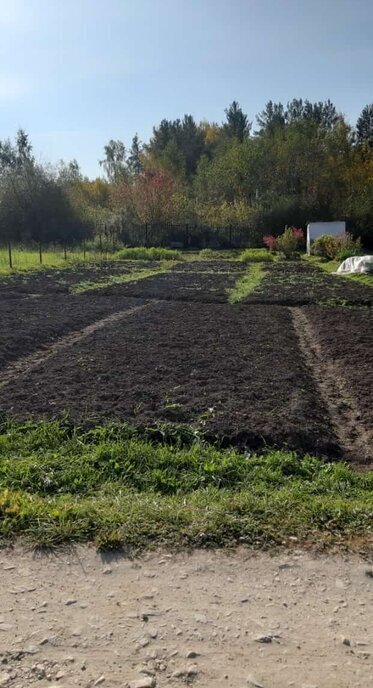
[
  {"x": 208, "y": 286},
  {"x": 298, "y": 283},
  {"x": 215, "y": 266},
  {"x": 235, "y": 373},
  {"x": 346, "y": 335},
  {"x": 29, "y": 323},
  {"x": 59, "y": 280}
]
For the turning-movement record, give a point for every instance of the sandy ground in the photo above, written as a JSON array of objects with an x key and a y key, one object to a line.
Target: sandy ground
[{"x": 208, "y": 619}]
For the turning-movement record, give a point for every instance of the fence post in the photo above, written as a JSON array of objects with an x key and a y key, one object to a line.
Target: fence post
[
  {"x": 10, "y": 255},
  {"x": 40, "y": 255},
  {"x": 64, "y": 252}
]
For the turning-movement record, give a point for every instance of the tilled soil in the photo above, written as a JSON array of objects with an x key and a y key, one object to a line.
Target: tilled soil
[
  {"x": 299, "y": 283},
  {"x": 236, "y": 373},
  {"x": 239, "y": 373},
  {"x": 210, "y": 619}
]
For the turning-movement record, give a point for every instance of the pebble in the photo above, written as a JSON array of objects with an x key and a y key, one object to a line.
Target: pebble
[
  {"x": 146, "y": 682},
  {"x": 263, "y": 639},
  {"x": 253, "y": 682},
  {"x": 70, "y": 601},
  {"x": 192, "y": 654},
  {"x": 99, "y": 681},
  {"x": 346, "y": 641},
  {"x": 107, "y": 570}
]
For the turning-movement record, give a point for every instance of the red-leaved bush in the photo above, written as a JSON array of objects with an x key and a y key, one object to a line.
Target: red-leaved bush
[{"x": 270, "y": 242}]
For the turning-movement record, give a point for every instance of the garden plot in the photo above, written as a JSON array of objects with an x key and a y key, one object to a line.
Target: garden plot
[
  {"x": 235, "y": 373},
  {"x": 205, "y": 282},
  {"x": 53, "y": 280},
  {"x": 33, "y": 322},
  {"x": 298, "y": 283}
]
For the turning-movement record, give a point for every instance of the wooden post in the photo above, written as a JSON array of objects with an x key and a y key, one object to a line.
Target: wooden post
[
  {"x": 40, "y": 255},
  {"x": 10, "y": 255},
  {"x": 64, "y": 252}
]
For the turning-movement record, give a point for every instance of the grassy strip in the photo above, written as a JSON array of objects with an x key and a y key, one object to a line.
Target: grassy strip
[
  {"x": 60, "y": 484},
  {"x": 152, "y": 253},
  {"x": 257, "y": 255},
  {"x": 331, "y": 266},
  {"x": 140, "y": 274},
  {"x": 246, "y": 284}
]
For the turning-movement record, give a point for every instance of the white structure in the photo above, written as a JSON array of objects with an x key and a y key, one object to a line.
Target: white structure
[
  {"x": 362, "y": 264},
  {"x": 316, "y": 229}
]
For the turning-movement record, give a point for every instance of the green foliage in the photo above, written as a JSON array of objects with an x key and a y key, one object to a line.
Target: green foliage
[
  {"x": 256, "y": 255},
  {"x": 59, "y": 483},
  {"x": 153, "y": 253},
  {"x": 290, "y": 243},
  {"x": 336, "y": 247}
]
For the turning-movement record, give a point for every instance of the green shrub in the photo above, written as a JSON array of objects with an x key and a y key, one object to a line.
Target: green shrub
[
  {"x": 153, "y": 253},
  {"x": 291, "y": 242},
  {"x": 256, "y": 255},
  {"x": 336, "y": 247}
]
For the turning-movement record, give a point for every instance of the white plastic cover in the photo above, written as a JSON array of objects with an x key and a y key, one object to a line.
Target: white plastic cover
[{"x": 362, "y": 264}]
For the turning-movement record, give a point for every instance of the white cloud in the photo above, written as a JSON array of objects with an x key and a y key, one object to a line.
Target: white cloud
[{"x": 13, "y": 88}]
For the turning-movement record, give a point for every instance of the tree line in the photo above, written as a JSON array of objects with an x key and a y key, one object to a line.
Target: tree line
[{"x": 298, "y": 163}]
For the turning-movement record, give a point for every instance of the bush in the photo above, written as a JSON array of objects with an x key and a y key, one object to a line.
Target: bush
[
  {"x": 256, "y": 255},
  {"x": 336, "y": 247},
  {"x": 270, "y": 242},
  {"x": 143, "y": 253},
  {"x": 291, "y": 242}
]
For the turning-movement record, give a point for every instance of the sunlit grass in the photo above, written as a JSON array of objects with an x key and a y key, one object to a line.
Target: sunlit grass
[
  {"x": 246, "y": 284},
  {"x": 331, "y": 266},
  {"x": 59, "y": 484}
]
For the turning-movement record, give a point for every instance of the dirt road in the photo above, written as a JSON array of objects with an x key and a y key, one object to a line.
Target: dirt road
[{"x": 207, "y": 619}]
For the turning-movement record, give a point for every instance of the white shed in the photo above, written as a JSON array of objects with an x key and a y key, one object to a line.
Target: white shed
[{"x": 316, "y": 229}]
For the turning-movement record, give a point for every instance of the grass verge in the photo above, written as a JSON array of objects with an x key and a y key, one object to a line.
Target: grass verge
[
  {"x": 152, "y": 253},
  {"x": 139, "y": 274},
  {"x": 247, "y": 283},
  {"x": 62, "y": 484},
  {"x": 257, "y": 255}
]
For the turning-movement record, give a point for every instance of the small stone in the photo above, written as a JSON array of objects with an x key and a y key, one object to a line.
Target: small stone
[
  {"x": 369, "y": 573},
  {"x": 263, "y": 639},
  {"x": 346, "y": 641},
  {"x": 107, "y": 570},
  {"x": 201, "y": 618},
  {"x": 143, "y": 642},
  {"x": 192, "y": 654},
  {"x": 153, "y": 633},
  {"x": 244, "y": 599},
  {"x": 60, "y": 675},
  {"x": 145, "y": 682},
  {"x": 69, "y": 602},
  {"x": 4, "y": 678},
  {"x": 99, "y": 681},
  {"x": 253, "y": 682}
]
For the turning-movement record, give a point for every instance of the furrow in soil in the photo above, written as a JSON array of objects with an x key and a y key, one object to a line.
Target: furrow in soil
[{"x": 354, "y": 439}]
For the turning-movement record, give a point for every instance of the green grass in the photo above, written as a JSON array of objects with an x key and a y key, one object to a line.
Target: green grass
[
  {"x": 140, "y": 274},
  {"x": 219, "y": 254},
  {"x": 154, "y": 253},
  {"x": 247, "y": 283},
  {"x": 256, "y": 255},
  {"x": 24, "y": 260},
  {"x": 332, "y": 266},
  {"x": 63, "y": 484}
]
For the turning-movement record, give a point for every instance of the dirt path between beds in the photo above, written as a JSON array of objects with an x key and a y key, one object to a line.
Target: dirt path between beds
[
  {"x": 355, "y": 441},
  {"x": 210, "y": 619}
]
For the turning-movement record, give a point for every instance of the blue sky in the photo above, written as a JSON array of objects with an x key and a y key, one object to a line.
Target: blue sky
[{"x": 75, "y": 73}]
